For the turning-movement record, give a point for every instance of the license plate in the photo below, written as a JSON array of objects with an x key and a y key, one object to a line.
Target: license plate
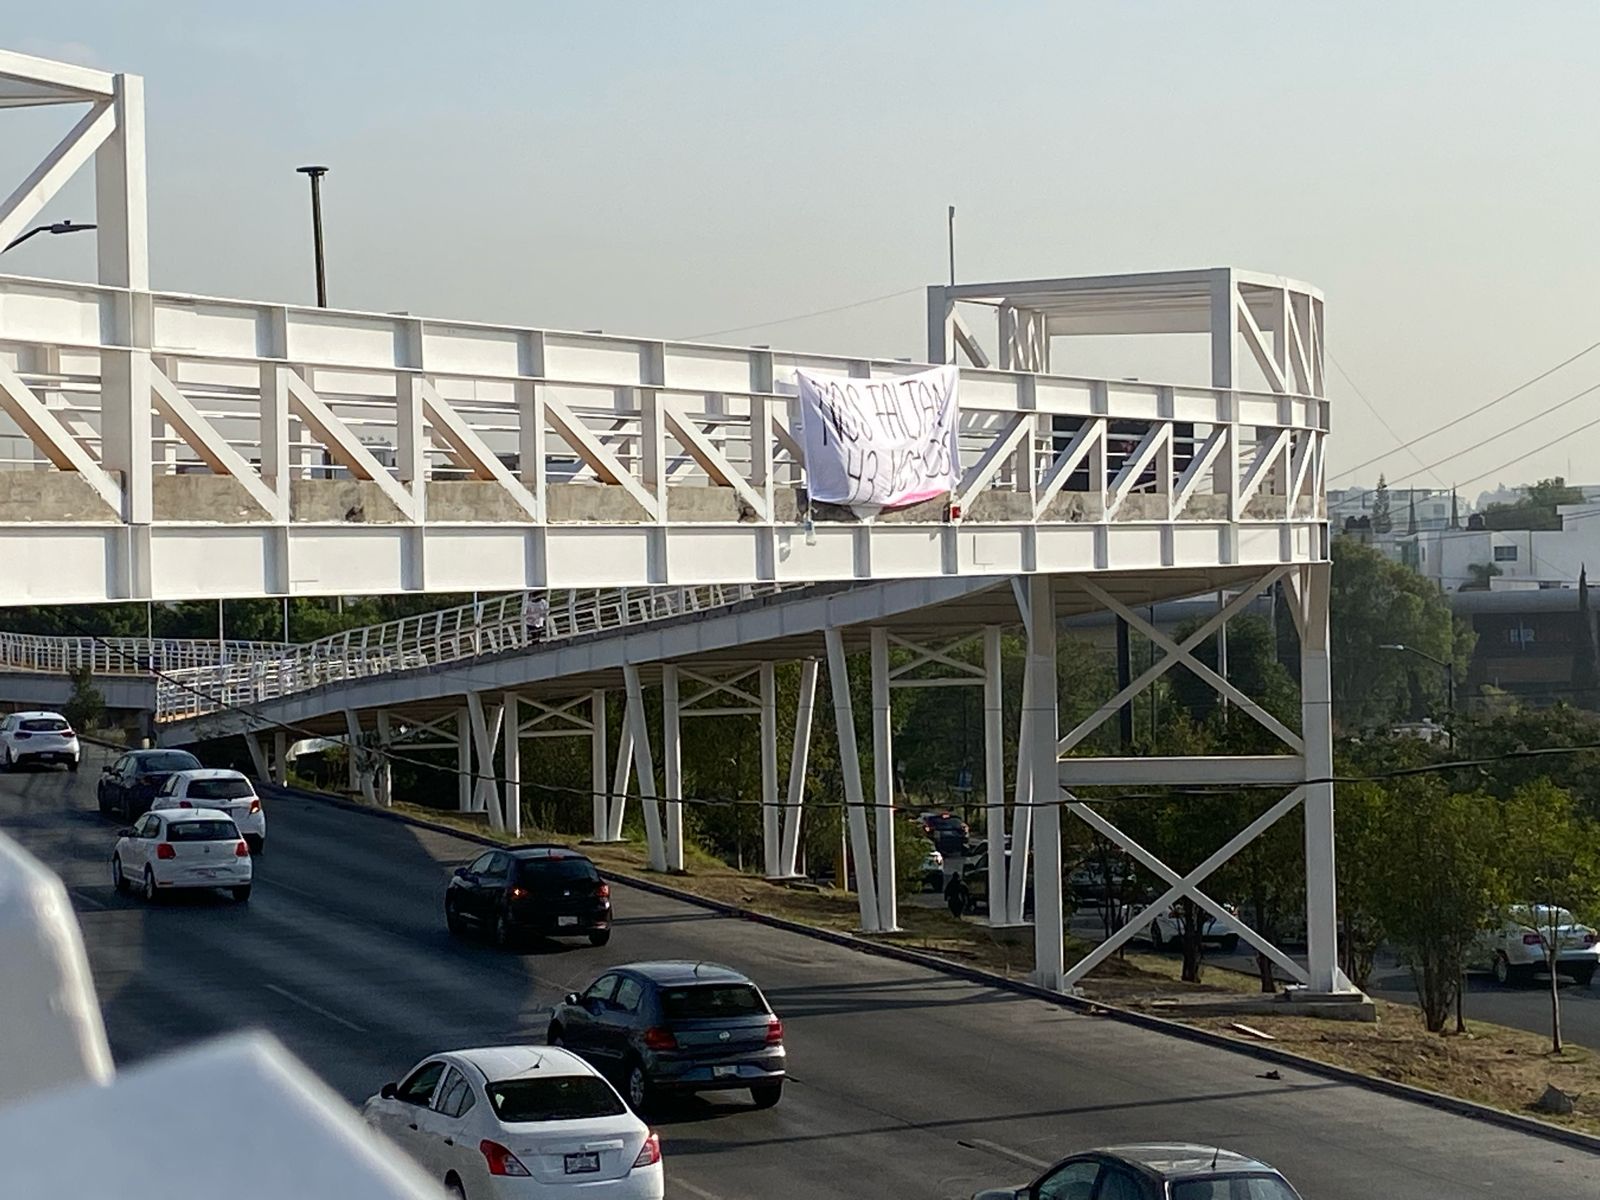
[
  {"x": 723, "y": 1072},
  {"x": 587, "y": 1163},
  {"x": 568, "y": 921},
  {"x": 206, "y": 873}
]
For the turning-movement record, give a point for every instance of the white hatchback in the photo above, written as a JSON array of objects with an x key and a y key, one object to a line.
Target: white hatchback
[
  {"x": 182, "y": 848},
  {"x": 42, "y": 737},
  {"x": 519, "y": 1121},
  {"x": 221, "y": 789}
]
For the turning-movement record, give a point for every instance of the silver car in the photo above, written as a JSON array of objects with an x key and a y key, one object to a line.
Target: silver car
[{"x": 1153, "y": 1172}]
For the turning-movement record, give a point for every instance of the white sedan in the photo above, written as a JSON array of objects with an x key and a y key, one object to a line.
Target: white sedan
[
  {"x": 221, "y": 789},
  {"x": 519, "y": 1121},
  {"x": 42, "y": 737},
  {"x": 182, "y": 848},
  {"x": 1516, "y": 950}
]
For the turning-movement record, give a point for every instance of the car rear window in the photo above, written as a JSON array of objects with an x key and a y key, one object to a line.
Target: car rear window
[
  {"x": 711, "y": 1000},
  {"x": 1236, "y": 1187},
  {"x": 44, "y": 725},
  {"x": 557, "y": 1098},
  {"x": 202, "y": 831},
  {"x": 175, "y": 760},
  {"x": 554, "y": 870},
  {"x": 219, "y": 789}
]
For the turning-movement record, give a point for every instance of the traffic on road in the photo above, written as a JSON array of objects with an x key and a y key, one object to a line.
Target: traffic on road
[{"x": 652, "y": 1061}]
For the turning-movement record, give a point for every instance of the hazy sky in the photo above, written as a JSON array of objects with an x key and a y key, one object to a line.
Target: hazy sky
[{"x": 675, "y": 169}]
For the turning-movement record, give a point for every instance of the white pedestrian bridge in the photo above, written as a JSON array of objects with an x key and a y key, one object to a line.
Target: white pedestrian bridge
[{"x": 160, "y": 446}]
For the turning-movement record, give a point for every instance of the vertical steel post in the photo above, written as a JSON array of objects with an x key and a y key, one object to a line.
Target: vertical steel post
[
  {"x": 1322, "y": 932},
  {"x": 620, "y": 780},
  {"x": 597, "y": 762},
  {"x": 464, "y": 759},
  {"x": 994, "y": 780},
  {"x": 1049, "y": 944},
  {"x": 883, "y": 781},
  {"x": 798, "y": 754},
  {"x": 280, "y": 757},
  {"x": 850, "y": 767},
  {"x": 672, "y": 765},
  {"x": 771, "y": 832},
  {"x": 644, "y": 766},
  {"x": 385, "y": 765},
  {"x": 513, "y": 764}
]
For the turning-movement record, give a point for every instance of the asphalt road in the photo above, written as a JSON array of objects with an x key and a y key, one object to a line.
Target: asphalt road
[{"x": 905, "y": 1083}]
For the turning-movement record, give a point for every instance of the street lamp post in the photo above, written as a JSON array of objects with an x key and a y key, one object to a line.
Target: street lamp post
[
  {"x": 315, "y": 174},
  {"x": 54, "y": 227},
  {"x": 1449, "y": 674}
]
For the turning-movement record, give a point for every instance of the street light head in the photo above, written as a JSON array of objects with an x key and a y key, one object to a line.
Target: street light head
[
  {"x": 1392, "y": 646},
  {"x": 314, "y": 172}
]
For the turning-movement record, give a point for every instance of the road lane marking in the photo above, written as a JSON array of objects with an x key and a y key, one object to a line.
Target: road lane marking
[
  {"x": 1026, "y": 1160},
  {"x": 681, "y": 1185},
  {"x": 318, "y": 1009}
]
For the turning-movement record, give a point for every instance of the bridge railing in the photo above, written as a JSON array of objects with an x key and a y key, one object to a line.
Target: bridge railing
[
  {"x": 51, "y": 655},
  {"x": 493, "y": 625}
]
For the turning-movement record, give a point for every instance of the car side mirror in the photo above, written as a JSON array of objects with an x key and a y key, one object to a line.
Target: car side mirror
[
  {"x": 571, "y": 998},
  {"x": 124, "y": 833},
  {"x": 387, "y": 1091},
  {"x": 461, "y": 872},
  {"x": 106, "y": 770}
]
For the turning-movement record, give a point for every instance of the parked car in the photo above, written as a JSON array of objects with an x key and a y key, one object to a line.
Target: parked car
[
  {"x": 967, "y": 891},
  {"x": 676, "y": 1027},
  {"x": 182, "y": 848},
  {"x": 1166, "y": 929},
  {"x": 224, "y": 790},
  {"x": 1154, "y": 1172},
  {"x": 1098, "y": 882},
  {"x": 549, "y": 890},
  {"x": 519, "y": 1121},
  {"x": 41, "y": 737},
  {"x": 946, "y": 831},
  {"x": 128, "y": 785},
  {"x": 1515, "y": 951},
  {"x": 933, "y": 871}
]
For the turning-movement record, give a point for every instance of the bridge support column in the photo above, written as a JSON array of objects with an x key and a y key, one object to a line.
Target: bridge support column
[
  {"x": 771, "y": 831},
  {"x": 352, "y": 728},
  {"x": 883, "y": 781},
  {"x": 645, "y": 768},
  {"x": 994, "y": 780},
  {"x": 850, "y": 767},
  {"x": 280, "y": 757},
  {"x": 672, "y": 765},
  {"x": 620, "y": 780},
  {"x": 1049, "y": 945},
  {"x": 1022, "y": 807},
  {"x": 597, "y": 763},
  {"x": 258, "y": 757},
  {"x": 1322, "y": 921},
  {"x": 464, "y": 759},
  {"x": 385, "y": 763},
  {"x": 486, "y": 721},
  {"x": 512, "y": 721},
  {"x": 788, "y": 861}
]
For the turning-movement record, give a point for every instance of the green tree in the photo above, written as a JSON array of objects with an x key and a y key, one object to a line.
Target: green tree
[
  {"x": 1554, "y": 868},
  {"x": 1478, "y": 576},
  {"x": 1382, "y": 519},
  {"x": 86, "y": 706},
  {"x": 1377, "y": 602}
]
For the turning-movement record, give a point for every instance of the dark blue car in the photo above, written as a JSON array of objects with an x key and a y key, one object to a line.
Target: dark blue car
[{"x": 675, "y": 1027}]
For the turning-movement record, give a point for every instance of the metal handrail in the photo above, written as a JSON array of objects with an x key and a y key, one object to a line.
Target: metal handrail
[{"x": 52, "y": 655}]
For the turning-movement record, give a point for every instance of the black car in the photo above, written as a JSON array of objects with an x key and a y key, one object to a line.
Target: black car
[
  {"x": 1153, "y": 1172},
  {"x": 128, "y": 785},
  {"x": 946, "y": 831},
  {"x": 968, "y": 890},
  {"x": 660, "y": 1027},
  {"x": 548, "y": 890}
]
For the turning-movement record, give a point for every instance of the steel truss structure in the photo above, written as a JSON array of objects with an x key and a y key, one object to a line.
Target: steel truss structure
[{"x": 168, "y": 446}]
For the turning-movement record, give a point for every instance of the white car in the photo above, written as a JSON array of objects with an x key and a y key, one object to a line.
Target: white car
[
  {"x": 1515, "y": 951},
  {"x": 182, "y": 848},
  {"x": 1166, "y": 929},
  {"x": 221, "y": 789},
  {"x": 42, "y": 737},
  {"x": 519, "y": 1121}
]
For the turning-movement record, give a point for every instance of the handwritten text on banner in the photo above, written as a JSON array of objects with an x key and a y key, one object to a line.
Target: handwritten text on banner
[{"x": 880, "y": 443}]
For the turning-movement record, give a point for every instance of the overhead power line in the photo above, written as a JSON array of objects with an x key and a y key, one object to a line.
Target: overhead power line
[{"x": 806, "y": 316}]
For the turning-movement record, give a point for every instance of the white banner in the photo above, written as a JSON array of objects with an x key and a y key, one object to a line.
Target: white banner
[{"x": 880, "y": 443}]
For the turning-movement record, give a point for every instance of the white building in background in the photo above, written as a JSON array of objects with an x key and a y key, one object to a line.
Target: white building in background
[
  {"x": 1432, "y": 506},
  {"x": 1525, "y": 558},
  {"x": 1502, "y": 494}
]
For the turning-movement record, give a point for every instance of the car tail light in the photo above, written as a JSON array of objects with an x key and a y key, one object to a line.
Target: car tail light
[
  {"x": 774, "y": 1032},
  {"x": 517, "y": 893},
  {"x": 603, "y": 891},
  {"x": 242, "y": 850},
  {"x": 1533, "y": 939},
  {"x": 501, "y": 1161},
  {"x": 67, "y": 733},
  {"x": 650, "y": 1152},
  {"x": 657, "y": 1038},
  {"x": 1591, "y": 938},
  {"x": 184, "y": 804},
  {"x": 22, "y": 735},
  {"x": 163, "y": 850},
  {"x": 255, "y": 806}
]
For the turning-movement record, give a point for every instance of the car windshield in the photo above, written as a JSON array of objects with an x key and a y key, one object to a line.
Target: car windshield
[
  {"x": 44, "y": 725},
  {"x": 219, "y": 789},
  {"x": 172, "y": 760},
  {"x": 202, "y": 831},
  {"x": 1233, "y": 1187},
  {"x": 555, "y": 870},
  {"x": 1541, "y": 914},
  {"x": 558, "y": 1098},
  {"x": 711, "y": 1000}
]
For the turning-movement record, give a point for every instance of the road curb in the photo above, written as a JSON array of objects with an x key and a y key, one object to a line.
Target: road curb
[{"x": 1283, "y": 1058}]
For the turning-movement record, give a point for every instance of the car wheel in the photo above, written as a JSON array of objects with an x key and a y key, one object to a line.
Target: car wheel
[
  {"x": 1157, "y": 942},
  {"x": 553, "y": 1038},
  {"x": 258, "y": 846},
  {"x": 118, "y": 879},
  {"x": 1583, "y": 976},
  {"x": 767, "y": 1095},
  {"x": 599, "y": 937},
  {"x": 1230, "y": 943},
  {"x": 149, "y": 893},
  {"x": 73, "y": 766},
  {"x": 503, "y": 933},
  {"x": 5, "y": 760},
  {"x": 241, "y": 894},
  {"x": 452, "y": 921},
  {"x": 641, "y": 1096}
]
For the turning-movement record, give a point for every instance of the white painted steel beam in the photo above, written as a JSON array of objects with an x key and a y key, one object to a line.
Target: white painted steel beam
[
  {"x": 644, "y": 767},
  {"x": 994, "y": 778},
  {"x": 597, "y": 765},
  {"x": 672, "y": 766},
  {"x": 799, "y": 753},
  {"x": 1049, "y": 922},
  {"x": 854, "y": 795},
  {"x": 771, "y": 814},
  {"x": 883, "y": 780}
]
